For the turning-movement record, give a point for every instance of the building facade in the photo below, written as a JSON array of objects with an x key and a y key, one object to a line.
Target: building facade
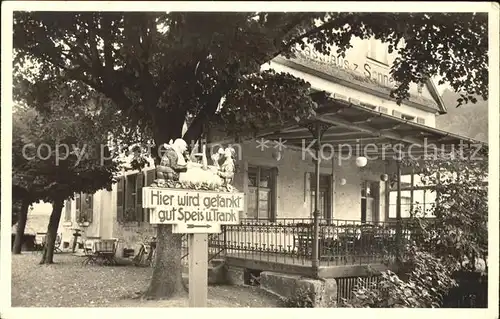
[{"x": 279, "y": 182}]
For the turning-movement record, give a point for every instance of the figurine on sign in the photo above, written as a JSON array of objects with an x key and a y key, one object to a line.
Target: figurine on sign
[
  {"x": 173, "y": 162},
  {"x": 226, "y": 170},
  {"x": 216, "y": 158}
]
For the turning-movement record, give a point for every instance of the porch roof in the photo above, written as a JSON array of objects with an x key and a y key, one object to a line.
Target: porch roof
[{"x": 349, "y": 124}]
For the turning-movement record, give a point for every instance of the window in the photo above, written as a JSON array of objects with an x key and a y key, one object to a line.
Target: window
[
  {"x": 262, "y": 192},
  {"x": 84, "y": 207},
  {"x": 67, "y": 211},
  {"x": 423, "y": 198},
  {"x": 129, "y": 198},
  {"x": 378, "y": 51},
  {"x": 369, "y": 201},
  {"x": 325, "y": 195},
  {"x": 407, "y": 117}
]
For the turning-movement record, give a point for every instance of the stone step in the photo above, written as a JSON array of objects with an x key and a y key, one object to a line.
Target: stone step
[{"x": 217, "y": 262}]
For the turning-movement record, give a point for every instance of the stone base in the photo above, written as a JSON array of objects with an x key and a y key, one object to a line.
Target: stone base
[
  {"x": 323, "y": 292},
  {"x": 234, "y": 276}
]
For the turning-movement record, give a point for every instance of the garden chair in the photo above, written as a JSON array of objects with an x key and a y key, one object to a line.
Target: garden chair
[
  {"x": 39, "y": 242},
  {"x": 57, "y": 244}
]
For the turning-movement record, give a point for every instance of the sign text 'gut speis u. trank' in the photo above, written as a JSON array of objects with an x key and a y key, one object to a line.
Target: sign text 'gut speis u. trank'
[{"x": 192, "y": 211}]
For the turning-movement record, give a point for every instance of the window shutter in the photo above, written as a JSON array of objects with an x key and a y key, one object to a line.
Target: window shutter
[
  {"x": 139, "y": 182},
  {"x": 397, "y": 113},
  {"x": 119, "y": 198},
  {"x": 383, "y": 110},
  {"x": 78, "y": 204},
  {"x": 274, "y": 194},
  {"x": 150, "y": 177},
  {"x": 420, "y": 120},
  {"x": 90, "y": 207},
  {"x": 67, "y": 212}
]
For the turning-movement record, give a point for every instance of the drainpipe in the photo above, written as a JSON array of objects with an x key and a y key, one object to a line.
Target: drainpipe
[{"x": 315, "y": 247}]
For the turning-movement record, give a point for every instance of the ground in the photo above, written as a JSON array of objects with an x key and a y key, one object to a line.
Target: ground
[{"x": 69, "y": 284}]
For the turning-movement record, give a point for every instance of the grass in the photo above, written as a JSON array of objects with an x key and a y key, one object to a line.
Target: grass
[{"x": 69, "y": 284}]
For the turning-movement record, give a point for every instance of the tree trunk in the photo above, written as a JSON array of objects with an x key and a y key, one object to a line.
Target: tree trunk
[
  {"x": 50, "y": 239},
  {"x": 21, "y": 225},
  {"x": 166, "y": 281}
]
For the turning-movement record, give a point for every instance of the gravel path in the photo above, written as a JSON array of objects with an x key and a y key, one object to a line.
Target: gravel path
[{"x": 69, "y": 284}]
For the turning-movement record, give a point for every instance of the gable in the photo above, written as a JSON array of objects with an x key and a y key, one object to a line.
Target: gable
[{"x": 365, "y": 66}]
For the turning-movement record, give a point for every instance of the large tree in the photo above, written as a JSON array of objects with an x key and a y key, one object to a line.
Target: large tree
[
  {"x": 163, "y": 68},
  {"x": 58, "y": 152}
]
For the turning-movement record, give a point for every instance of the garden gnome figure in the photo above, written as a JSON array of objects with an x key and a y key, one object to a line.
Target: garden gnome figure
[
  {"x": 226, "y": 170},
  {"x": 173, "y": 162}
]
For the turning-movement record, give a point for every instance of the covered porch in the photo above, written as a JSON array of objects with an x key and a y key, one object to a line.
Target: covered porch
[{"x": 329, "y": 247}]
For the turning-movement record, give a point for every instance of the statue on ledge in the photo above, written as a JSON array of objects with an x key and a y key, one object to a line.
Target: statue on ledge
[
  {"x": 172, "y": 162},
  {"x": 175, "y": 167},
  {"x": 227, "y": 169}
]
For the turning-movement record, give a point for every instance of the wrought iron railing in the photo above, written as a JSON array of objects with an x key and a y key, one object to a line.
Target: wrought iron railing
[
  {"x": 213, "y": 250},
  {"x": 290, "y": 241}
]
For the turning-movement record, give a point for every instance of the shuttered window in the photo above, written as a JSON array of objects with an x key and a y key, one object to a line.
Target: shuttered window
[
  {"x": 120, "y": 194},
  {"x": 84, "y": 207},
  {"x": 78, "y": 206},
  {"x": 67, "y": 211},
  {"x": 397, "y": 113},
  {"x": 150, "y": 177},
  {"x": 262, "y": 192},
  {"x": 129, "y": 198},
  {"x": 139, "y": 182}
]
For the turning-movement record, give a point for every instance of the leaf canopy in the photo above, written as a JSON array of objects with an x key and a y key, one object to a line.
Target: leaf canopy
[{"x": 162, "y": 68}]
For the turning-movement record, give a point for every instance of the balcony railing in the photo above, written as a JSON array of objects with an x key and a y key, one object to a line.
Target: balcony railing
[{"x": 290, "y": 241}]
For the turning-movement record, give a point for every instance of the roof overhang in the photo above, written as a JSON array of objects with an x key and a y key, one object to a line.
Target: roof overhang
[{"x": 349, "y": 126}]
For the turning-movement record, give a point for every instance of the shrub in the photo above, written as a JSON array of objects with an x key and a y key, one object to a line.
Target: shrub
[
  {"x": 425, "y": 281},
  {"x": 302, "y": 298}
]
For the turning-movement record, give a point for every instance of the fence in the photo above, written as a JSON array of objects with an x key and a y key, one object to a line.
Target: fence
[
  {"x": 471, "y": 292},
  {"x": 346, "y": 286},
  {"x": 290, "y": 240}
]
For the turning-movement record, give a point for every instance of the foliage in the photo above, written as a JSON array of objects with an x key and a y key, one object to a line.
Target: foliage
[
  {"x": 177, "y": 65},
  {"x": 197, "y": 186},
  {"x": 427, "y": 281},
  {"x": 451, "y": 241},
  {"x": 302, "y": 298},
  {"x": 459, "y": 231},
  {"x": 60, "y": 152}
]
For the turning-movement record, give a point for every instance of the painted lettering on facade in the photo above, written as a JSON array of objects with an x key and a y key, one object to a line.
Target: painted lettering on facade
[{"x": 368, "y": 69}]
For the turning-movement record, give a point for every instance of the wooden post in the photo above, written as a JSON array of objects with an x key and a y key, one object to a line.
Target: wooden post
[
  {"x": 315, "y": 247},
  {"x": 412, "y": 182},
  {"x": 398, "y": 212},
  {"x": 198, "y": 269}
]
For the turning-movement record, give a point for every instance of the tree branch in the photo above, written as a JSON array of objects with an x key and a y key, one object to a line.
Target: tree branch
[{"x": 297, "y": 39}]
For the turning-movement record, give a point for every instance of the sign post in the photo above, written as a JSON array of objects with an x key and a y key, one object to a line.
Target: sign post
[
  {"x": 197, "y": 213},
  {"x": 198, "y": 269}
]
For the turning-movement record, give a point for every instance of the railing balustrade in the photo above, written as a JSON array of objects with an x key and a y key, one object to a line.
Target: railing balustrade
[{"x": 289, "y": 241}]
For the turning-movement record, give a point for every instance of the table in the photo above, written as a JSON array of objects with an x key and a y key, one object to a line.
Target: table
[{"x": 100, "y": 251}]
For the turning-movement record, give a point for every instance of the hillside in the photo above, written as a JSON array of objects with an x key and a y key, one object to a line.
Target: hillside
[{"x": 470, "y": 120}]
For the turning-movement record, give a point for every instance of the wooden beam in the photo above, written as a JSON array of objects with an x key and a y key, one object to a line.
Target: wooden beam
[
  {"x": 295, "y": 136},
  {"x": 353, "y": 270},
  {"x": 364, "y": 128}
]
